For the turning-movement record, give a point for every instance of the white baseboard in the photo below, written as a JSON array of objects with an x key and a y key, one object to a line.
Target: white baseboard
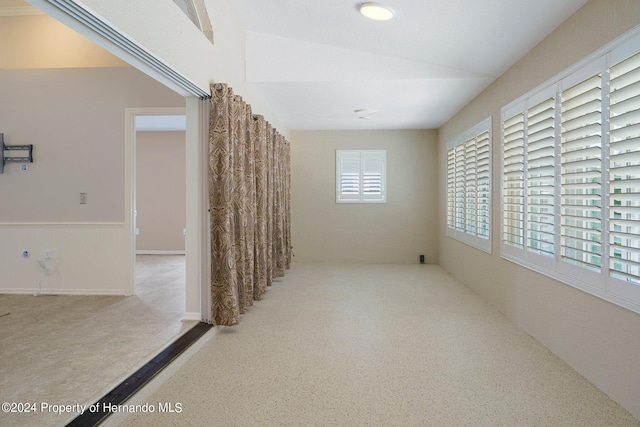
[
  {"x": 192, "y": 316},
  {"x": 151, "y": 252}
]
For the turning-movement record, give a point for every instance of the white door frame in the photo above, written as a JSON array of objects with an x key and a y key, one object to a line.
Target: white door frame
[
  {"x": 130, "y": 176},
  {"x": 196, "y": 246},
  {"x": 197, "y": 243}
]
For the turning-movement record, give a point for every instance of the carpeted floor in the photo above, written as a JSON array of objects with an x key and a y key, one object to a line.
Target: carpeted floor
[{"x": 371, "y": 345}]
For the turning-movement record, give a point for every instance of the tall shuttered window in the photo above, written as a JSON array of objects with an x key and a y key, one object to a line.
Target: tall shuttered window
[
  {"x": 571, "y": 175},
  {"x": 624, "y": 170},
  {"x": 469, "y": 186},
  {"x": 460, "y": 194},
  {"x": 483, "y": 183},
  {"x": 361, "y": 176},
  {"x": 451, "y": 188},
  {"x": 581, "y": 173},
  {"x": 513, "y": 181},
  {"x": 541, "y": 190}
]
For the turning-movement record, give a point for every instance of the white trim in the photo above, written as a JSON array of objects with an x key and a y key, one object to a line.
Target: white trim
[
  {"x": 198, "y": 238},
  {"x": 513, "y": 108},
  {"x": 590, "y": 69},
  {"x": 130, "y": 175},
  {"x": 129, "y": 194},
  {"x": 156, "y": 252},
  {"x": 191, "y": 316},
  {"x": 157, "y": 111}
]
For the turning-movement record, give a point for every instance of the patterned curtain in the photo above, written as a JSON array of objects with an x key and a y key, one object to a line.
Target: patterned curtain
[{"x": 249, "y": 200}]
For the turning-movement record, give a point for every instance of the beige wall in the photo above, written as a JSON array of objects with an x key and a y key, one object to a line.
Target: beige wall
[
  {"x": 160, "y": 191},
  {"x": 598, "y": 339},
  {"x": 75, "y": 119},
  {"x": 395, "y": 232}
]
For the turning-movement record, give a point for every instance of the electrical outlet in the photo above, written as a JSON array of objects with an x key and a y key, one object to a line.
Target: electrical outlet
[
  {"x": 47, "y": 254},
  {"x": 83, "y": 198},
  {"x": 26, "y": 254}
]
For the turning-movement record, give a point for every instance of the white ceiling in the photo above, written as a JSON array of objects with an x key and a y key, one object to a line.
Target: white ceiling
[{"x": 315, "y": 62}]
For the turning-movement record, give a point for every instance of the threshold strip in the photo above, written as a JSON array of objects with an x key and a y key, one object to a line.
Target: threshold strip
[{"x": 131, "y": 385}]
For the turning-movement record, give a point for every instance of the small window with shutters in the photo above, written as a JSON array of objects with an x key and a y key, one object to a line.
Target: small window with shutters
[{"x": 361, "y": 176}]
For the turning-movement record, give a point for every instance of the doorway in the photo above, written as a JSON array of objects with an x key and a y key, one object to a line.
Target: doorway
[
  {"x": 160, "y": 175},
  {"x": 161, "y": 135}
]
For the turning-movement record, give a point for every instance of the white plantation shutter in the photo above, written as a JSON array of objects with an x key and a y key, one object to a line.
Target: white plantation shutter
[
  {"x": 571, "y": 163},
  {"x": 581, "y": 182},
  {"x": 360, "y": 176},
  {"x": 372, "y": 175},
  {"x": 348, "y": 175},
  {"x": 624, "y": 170},
  {"x": 513, "y": 181},
  {"x": 483, "y": 183},
  {"x": 451, "y": 187},
  {"x": 541, "y": 178},
  {"x": 460, "y": 182},
  {"x": 469, "y": 186}
]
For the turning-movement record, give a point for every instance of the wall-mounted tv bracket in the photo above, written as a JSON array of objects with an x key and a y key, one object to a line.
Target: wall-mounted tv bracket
[{"x": 14, "y": 159}]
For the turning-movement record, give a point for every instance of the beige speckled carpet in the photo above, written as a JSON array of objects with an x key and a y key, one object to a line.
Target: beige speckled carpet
[{"x": 371, "y": 345}]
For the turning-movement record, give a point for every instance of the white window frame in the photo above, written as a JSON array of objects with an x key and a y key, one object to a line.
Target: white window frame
[
  {"x": 468, "y": 166},
  {"x": 366, "y": 168},
  {"x": 599, "y": 279}
]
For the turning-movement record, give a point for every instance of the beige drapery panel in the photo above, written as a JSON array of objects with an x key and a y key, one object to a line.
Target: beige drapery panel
[{"x": 249, "y": 200}]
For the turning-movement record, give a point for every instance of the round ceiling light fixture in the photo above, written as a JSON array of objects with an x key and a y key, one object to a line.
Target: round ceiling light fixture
[{"x": 376, "y": 11}]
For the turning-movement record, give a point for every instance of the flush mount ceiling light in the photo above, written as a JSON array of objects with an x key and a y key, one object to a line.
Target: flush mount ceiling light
[{"x": 376, "y": 11}]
